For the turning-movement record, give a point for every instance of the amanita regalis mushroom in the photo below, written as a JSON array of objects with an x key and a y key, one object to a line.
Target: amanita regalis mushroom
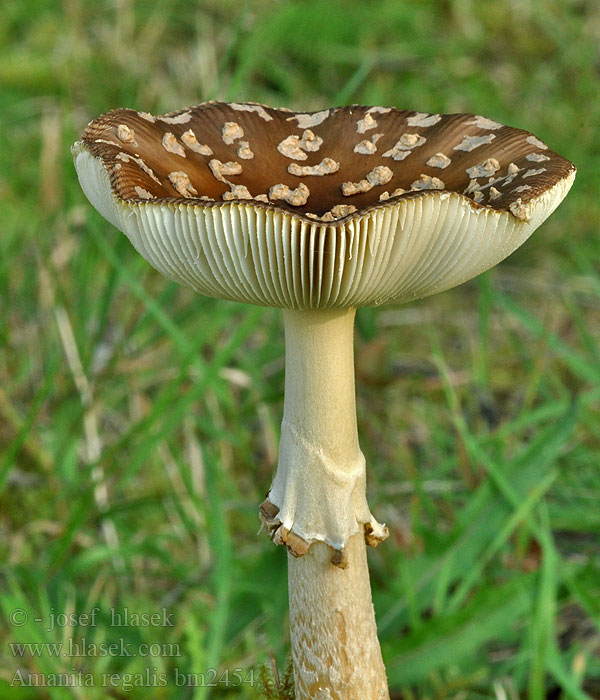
[{"x": 319, "y": 213}]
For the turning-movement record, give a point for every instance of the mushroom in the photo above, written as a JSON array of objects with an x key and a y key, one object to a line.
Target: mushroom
[{"x": 312, "y": 213}]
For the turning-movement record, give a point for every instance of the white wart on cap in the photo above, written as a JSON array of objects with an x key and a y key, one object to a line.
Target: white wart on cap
[{"x": 351, "y": 206}]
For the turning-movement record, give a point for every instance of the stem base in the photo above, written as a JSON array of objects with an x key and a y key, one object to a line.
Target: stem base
[{"x": 334, "y": 637}]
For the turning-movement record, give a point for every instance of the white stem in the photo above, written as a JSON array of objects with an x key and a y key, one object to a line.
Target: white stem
[
  {"x": 332, "y": 623},
  {"x": 320, "y": 485},
  {"x": 318, "y": 501}
]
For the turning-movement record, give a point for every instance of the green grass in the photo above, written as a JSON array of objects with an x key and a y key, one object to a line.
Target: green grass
[{"x": 139, "y": 422}]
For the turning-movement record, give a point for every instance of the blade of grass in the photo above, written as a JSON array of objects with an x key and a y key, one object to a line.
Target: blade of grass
[
  {"x": 587, "y": 370},
  {"x": 519, "y": 515},
  {"x": 484, "y": 305},
  {"x": 361, "y": 73},
  {"x": 222, "y": 573},
  {"x": 542, "y": 628},
  {"x": 444, "y": 641},
  {"x": 38, "y": 401}
]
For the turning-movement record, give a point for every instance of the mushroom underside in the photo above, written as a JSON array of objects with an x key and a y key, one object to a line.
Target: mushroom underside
[{"x": 255, "y": 253}]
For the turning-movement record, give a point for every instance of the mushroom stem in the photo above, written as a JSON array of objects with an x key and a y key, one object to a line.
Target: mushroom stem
[
  {"x": 332, "y": 624},
  {"x": 319, "y": 490},
  {"x": 318, "y": 498}
]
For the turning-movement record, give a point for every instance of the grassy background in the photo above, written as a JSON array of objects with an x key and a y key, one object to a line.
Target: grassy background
[{"x": 139, "y": 423}]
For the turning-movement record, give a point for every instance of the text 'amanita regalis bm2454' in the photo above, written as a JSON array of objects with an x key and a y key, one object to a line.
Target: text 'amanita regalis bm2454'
[{"x": 319, "y": 213}]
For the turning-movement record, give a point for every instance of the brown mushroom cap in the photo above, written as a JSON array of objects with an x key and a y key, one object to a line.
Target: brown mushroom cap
[
  {"x": 321, "y": 171},
  {"x": 345, "y": 156}
]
